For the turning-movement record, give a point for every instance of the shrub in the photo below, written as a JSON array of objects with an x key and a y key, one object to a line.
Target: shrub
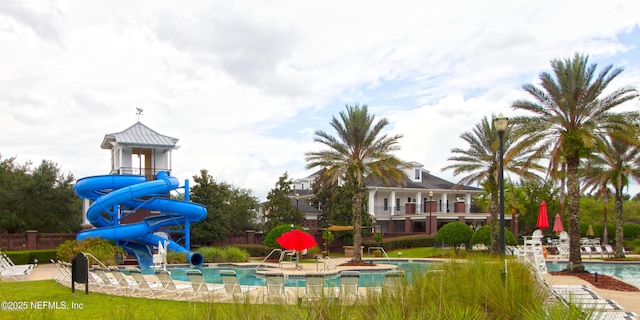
[
  {"x": 104, "y": 250},
  {"x": 311, "y": 252},
  {"x": 255, "y": 250},
  {"x": 631, "y": 230},
  {"x": 174, "y": 257},
  {"x": 412, "y": 241},
  {"x": 455, "y": 234},
  {"x": 213, "y": 254},
  {"x": 235, "y": 254},
  {"x": 273, "y": 234},
  {"x": 29, "y": 256},
  {"x": 482, "y": 235},
  {"x": 43, "y": 256},
  {"x": 18, "y": 257},
  {"x": 226, "y": 254},
  {"x": 377, "y": 237}
]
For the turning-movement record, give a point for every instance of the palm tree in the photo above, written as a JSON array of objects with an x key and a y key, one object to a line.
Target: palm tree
[
  {"x": 617, "y": 161},
  {"x": 572, "y": 112},
  {"x": 359, "y": 151},
  {"x": 482, "y": 164}
]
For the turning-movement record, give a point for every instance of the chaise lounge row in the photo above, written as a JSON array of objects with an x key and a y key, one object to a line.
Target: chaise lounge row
[{"x": 111, "y": 280}]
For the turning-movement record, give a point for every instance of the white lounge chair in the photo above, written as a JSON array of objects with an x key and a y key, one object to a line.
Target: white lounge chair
[
  {"x": 107, "y": 283},
  {"x": 142, "y": 287},
  {"x": 200, "y": 286},
  {"x": 169, "y": 287},
  {"x": 350, "y": 283},
  {"x": 9, "y": 270},
  {"x": 314, "y": 285},
  {"x": 599, "y": 250},
  {"x": 393, "y": 280},
  {"x": 609, "y": 250},
  {"x": 231, "y": 284},
  {"x": 586, "y": 250},
  {"x": 275, "y": 287},
  {"x": 125, "y": 286},
  {"x": 62, "y": 274}
]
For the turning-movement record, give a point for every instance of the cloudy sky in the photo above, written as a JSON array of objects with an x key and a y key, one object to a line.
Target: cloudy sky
[{"x": 244, "y": 84}]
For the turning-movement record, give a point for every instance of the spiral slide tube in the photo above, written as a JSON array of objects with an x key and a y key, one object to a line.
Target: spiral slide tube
[{"x": 111, "y": 191}]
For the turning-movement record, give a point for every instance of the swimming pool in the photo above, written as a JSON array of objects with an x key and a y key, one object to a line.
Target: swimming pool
[
  {"x": 629, "y": 272},
  {"x": 247, "y": 275}
]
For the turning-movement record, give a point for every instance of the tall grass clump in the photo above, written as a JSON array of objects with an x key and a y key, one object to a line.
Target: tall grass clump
[
  {"x": 477, "y": 288},
  {"x": 226, "y": 254}
]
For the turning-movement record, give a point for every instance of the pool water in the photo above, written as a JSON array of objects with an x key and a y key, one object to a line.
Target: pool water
[
  {"x": 247, "y": 275},
  {"x": 629, "y": 272}
]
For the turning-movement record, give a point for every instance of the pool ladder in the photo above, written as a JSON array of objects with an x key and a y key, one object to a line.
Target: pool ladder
[
  {"x": 267, "y": 258},
  {"x": 327, "y": 263}
]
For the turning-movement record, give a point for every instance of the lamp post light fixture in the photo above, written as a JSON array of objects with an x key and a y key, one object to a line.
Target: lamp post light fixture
[
  {"x": 430, "y": 209},
  {"x": 297, "y": 199},
  {"x": 500, "y": 124}
]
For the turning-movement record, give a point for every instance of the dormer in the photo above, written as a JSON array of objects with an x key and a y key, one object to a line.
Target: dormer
[{"x": 414, "y": 171}]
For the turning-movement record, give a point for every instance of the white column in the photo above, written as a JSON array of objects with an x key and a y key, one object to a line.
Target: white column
[
  {"x": 467, "y": 204},
  {"x": 419, "y": 202},
  {"x": 444, "y": 202},
  {"x": 393, "y": 202},
  {"x": 372, "y": 203},
  {"x": 120, "y": 160},
  {"x": 85, "y": 208}
]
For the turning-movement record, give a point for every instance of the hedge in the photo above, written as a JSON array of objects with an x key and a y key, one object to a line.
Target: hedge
[
  {"x": 630, "y": 230},
  {"x": 404, "y": 242},
  {"x": 28, "y": 256}
]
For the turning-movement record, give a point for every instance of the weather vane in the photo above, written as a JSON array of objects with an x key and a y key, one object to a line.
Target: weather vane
[{"x": 139, "y": 113}]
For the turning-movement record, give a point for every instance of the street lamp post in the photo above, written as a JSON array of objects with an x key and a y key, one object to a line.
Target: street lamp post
[
  {"x": 297, "y": 199},
  {"x": 430, "y": 209},
  {"x": 500, "y": 124}
]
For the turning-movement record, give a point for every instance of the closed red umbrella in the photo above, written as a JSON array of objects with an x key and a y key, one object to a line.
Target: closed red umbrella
[
  {"x": 543, "y": 219},
  {"x": 296, "y": 240},
  {"x": 557, "y": 224}
]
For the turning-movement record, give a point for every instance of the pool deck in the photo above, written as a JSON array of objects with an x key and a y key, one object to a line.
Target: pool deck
[{"x": 628, "y": 300}]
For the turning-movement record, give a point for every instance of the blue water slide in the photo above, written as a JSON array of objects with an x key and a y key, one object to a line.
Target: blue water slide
[{"x": 110, "y": 192}]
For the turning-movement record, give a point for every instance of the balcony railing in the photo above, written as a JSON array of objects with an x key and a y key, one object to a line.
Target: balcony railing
[{"x": 150, "y": 173}]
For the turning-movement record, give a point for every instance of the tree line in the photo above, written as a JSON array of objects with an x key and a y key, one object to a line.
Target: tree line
[{"x": 37, "y": 198}]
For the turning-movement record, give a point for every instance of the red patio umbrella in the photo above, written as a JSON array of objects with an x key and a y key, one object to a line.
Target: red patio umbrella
[
  {"x": 543, "y": 219},
  {"x": 557, "y": 224},
  {"x": 296, "y": 240}
]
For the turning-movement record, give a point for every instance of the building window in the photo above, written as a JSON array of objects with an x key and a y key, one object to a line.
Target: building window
[
  {"x": 417, "y": 174},
  {"x": 398, "y": 203},
  {"x": 385, "y": 205}
]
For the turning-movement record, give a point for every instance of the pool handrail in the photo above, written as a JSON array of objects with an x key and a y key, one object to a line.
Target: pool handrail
[
  {"x": 378, "y": 248},
  {"x": 327, "y": 263},
  {"x": 267, "y": 257}
]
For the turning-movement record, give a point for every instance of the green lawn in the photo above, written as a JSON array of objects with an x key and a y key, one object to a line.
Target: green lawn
[{"x": 48, "y": 300}]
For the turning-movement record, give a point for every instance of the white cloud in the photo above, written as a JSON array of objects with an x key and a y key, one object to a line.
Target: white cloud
[{"x": 244, "y": 85}]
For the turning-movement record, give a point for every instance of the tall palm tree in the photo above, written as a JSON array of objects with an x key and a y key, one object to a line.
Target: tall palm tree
[
  {"x": 359, "y": 151},
  {"x": 618, "y": 160},
  {"x": 604, "y": 194},
  {"x": 571, "y": 112},
  {"x": 481, "y": 161}
]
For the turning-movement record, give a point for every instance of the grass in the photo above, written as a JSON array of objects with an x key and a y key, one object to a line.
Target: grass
[{"x": 475, "y": 289}]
